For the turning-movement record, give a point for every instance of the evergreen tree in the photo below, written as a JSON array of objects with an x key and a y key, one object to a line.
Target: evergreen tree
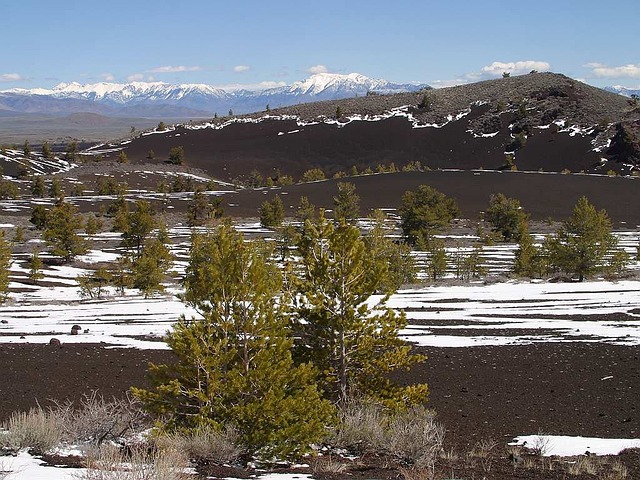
[
  {"x": 346, "y": 203},
  {"x": 506, "y": 216},
  {"x": 313, "y": 175},
  {"x": 354, "y": 344},
  {"x": 150, "y": 268},
  {"x": 55, "y": 188},
  {"x": 161, "y": 127},
  {"x": 5, "y": 264},
  {"x": 201, "y": 209},
  {"x": 61, "y": 231},
  {"x": 35, "y": 267},
  {"x": 39, "y": 215},
  {"x": 437, "y": 261},
  {"x": 305, "y": 211},
  {"x": 529, "y": 260},
  {"x": 176, "y": 155},
  {"x": 272, "y": 213},
  {"x": 424, "y": 212},
  {"x": 46, "y": 151},
  {"x": 70, "y": 151},
  {"x": 139, "y": 224},
  {"x": 38, "y": 186},
  {"x": 234, "y": 365},
  {"x": 26, "y": 149},
  {"x": 123, "y": 157},
  {"x": 583, "y": 242},
  {"x": 92, "y": 284}
]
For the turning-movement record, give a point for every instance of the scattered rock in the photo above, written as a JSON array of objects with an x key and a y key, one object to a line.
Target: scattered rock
[
  {"x": 4, "y": 321},
  {"x": 55, "y": 342},
  {"x": 76, "y": 329}
]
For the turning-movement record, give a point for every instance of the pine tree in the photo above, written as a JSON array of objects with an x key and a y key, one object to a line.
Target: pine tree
[
  {"x": 200, "y": 209},
  {"x": 137, "y": 227},
  {"x": 424, "y": 212},
  {"x": 582, "y": 243},
  {"x": 346, "y": 203},
  {"x": 354, "y": 345},
  {"x": 26, "y": 149},
  {"x": 39, "y": 216},
  {"x": 151, "y": 266},
  {"x": 36, "y": 265},
  {"x": 272, "y": 213},
  {"x": 305, "y": 211},
  {"x": 234, "y": 365},
  {"x": 55, "y": 188},
  {"x": 92, "y": 284},
  {"x": 506, "y": 216},
  {"x": 176, "y": 155},
  {"x": 46, "y": 151},
  {"x": 61, "y": 231},
  {"x": 123, "y": 157},
  {"x": 38, "y": 187},
  {"x": 5, "y": 264},
  {"x": 437, "y": 261}
]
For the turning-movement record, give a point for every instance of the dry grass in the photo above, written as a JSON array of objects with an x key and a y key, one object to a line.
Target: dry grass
[
  {"x": 96, "y": 420},
  {"x": 360, "y": 428},
  {"x": 327, "y": 464},
  {"x": 37, "y": 429},
  {"x": 108, "y": 462},
  {"x": 206, "y": 445}
]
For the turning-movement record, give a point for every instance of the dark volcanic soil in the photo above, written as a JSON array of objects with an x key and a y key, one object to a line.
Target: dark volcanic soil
[{"x": 479, "y": 393}]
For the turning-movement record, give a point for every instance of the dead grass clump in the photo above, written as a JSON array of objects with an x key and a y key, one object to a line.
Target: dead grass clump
[
  {"x": 585, "y": 464},
  {"x": 360, "y": 428},
  {"x": 109, "y": 462},
  {"x": 328, "y": 465},
  {"x": 415, "y": 437},
  {"x": 96, "y": 420},
  {"x": 206, "y": 446},
  {"x": 39, "y": 430}
]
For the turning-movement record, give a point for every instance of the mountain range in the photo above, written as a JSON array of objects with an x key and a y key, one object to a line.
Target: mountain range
[
  {"x": 627, "y": 92},
  {"x": 161, "y": 100}
]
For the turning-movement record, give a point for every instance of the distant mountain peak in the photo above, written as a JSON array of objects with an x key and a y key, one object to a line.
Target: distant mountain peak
[{"x": 158, "y": 99}]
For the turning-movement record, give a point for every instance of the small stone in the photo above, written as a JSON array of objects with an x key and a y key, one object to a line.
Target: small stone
[
  {"x": 55, "y": 342},
  {"x": 75, "y": 330},
  {"x": 4, "y": 321}
]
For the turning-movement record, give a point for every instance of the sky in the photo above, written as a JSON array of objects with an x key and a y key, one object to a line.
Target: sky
[{"x": 255, "y": 43}]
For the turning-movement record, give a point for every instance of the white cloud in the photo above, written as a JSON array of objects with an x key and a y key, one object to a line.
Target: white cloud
[
  {"x": 108, "y": 77},
  {"x": 174, "y": 69},
  {"x": 241, "y": 68},
  {"x": 629, "y": 70},
  {"x": 136, "y": 77},
  {"x": 318, "y": 69},
  {"x": 514, "y": 68},
  {"x": 10, "y": 77}
]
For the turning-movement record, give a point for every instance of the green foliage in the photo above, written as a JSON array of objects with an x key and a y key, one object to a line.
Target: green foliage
[
  {"x": 401, "y": 265},
  {"x": 39, "y": 215},
  {"x": 18, "y": 236},
  {"x": 201, "y": 208},
  {"x": 93, "y": 225},
  {"x": 38, "y": 186},
  {"x": 92, "y": 284},
  {"x": 110, "y": 186},
  {"x": 150, "y": 267},
  {"x": 313, "y": 175},
  {"x": 338, "y": 114},
  {"x": 354, "y": 345},
  {"x": 436, "y": 266},
  {"x": 139, "y": 224},
  {"x": 425, "y": 103},
  {"x": 529, "y": 260},
  {"x": 8, "y": 190},
  {"x": 5, "y": 264},
  {"x": 55, "y": 188},
  {"x": 305, "y": 211},
  {"x": 234, "y": 366},
  {"x": 583, "y": 242},
  {"x": 70, "y": 151},
  {"x": 123, "y": 157},
  {"x": 151, "y": 155},
  {"x": 35, "y": 265},
  {"x": 61, "y": 231},
  {"x": 272, "y": 213},
  {"x": 26, "y": 149},
  {"x": 46, "y": 151},
  {"x": 424, "y": 212},
  {"x": 161, "y": 127},
  {"x": 176, "y": 155},
  {"x": 346, "y": 203},
  {"x": 506, "y": 216}
]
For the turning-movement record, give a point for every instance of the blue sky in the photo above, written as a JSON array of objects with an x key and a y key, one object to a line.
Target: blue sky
[{"x": 251, "y": 42}]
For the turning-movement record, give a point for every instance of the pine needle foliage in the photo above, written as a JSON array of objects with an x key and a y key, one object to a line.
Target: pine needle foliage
[
  {"x": 235, "y": 366},
  {"x": 354, "y": 343}
]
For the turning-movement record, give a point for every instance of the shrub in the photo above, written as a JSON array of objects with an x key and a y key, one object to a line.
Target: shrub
[
  {"x": 37, "y": 429},
  {"x": 206, "y": 445}
]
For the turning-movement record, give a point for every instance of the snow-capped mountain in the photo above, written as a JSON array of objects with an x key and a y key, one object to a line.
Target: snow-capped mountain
[
  {"x": 162, "y": 99},
  {"x": 627, "y": 92}
]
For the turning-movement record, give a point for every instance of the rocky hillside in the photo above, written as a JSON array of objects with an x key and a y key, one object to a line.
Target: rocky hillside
[{"x": 539, "y": 121}]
